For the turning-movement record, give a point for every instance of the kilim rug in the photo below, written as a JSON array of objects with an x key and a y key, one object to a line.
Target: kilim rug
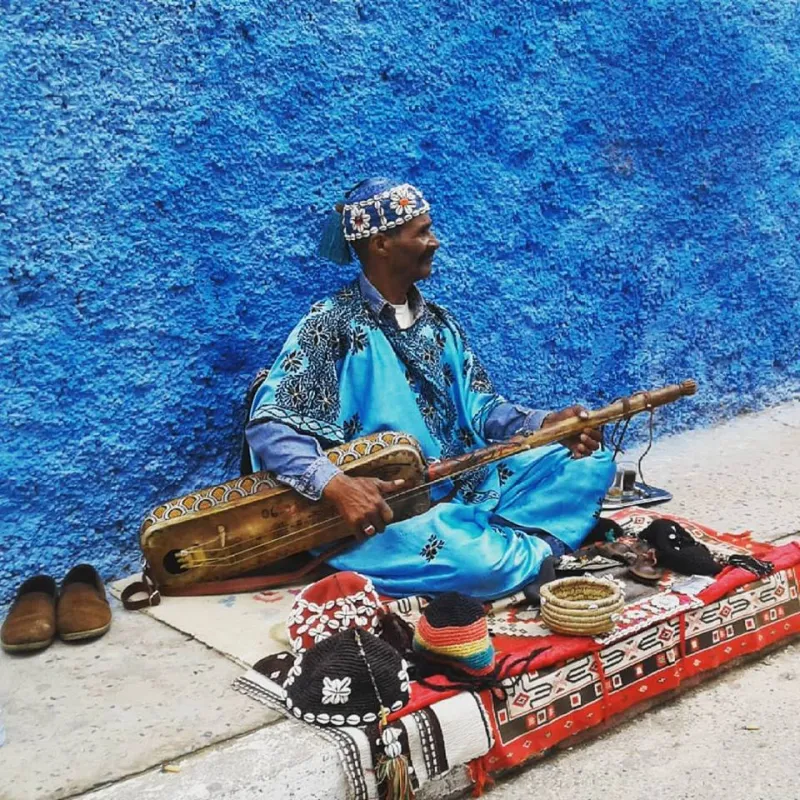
[
  {"x": 435, "y": 739},
  {"x": 666, "y": 635}
]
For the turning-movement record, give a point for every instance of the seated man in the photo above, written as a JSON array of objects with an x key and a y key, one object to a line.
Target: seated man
[{"x": 376, "y": 356}]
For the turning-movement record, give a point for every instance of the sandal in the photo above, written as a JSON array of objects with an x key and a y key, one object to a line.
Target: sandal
[
  {"x": 625, "y": 550},
  {"x": 645, "y": 568}
]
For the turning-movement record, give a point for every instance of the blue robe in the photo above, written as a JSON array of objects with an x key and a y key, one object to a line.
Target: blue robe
[{"x": 345, "y": 372}]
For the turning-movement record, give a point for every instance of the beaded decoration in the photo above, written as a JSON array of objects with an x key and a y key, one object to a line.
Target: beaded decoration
[{"x": 383, "y": 211}]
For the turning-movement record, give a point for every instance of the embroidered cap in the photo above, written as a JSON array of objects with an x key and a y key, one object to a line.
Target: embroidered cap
[
  {"x": 331, "y": 605},
  {"x": 373, "y": 206},
  {"x": 453, "y": 630},
  {"x": 351, "y": 678},
  {"x": 385, "y": 209}
]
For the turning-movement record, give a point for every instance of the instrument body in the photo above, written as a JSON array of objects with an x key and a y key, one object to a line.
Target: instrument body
[
  {"x": 242, "y": 525},
  {"x": 248, "y": 523}
]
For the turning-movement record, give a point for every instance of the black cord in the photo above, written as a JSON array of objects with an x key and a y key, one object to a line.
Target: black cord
[{"x": 649, "y": 445}]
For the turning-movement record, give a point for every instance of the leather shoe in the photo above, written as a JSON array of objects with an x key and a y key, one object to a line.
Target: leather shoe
[
  {"x": 83, "y": 610},
  {"x": 31, "y": 621}
]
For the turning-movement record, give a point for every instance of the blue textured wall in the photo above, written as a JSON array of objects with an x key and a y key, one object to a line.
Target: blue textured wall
[{"x": 615, "y": 184}]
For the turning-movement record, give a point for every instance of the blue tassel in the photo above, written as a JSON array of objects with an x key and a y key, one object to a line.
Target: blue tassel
[{"x": 333, "y": 245}]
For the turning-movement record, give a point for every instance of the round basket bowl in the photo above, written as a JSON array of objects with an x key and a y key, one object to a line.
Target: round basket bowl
[{"x": 581, "y": 606}]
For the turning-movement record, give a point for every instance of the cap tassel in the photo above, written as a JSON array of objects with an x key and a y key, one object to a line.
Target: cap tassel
[
  {"x": 333, "y": 245},
  {"x": 392, "y": 769}
]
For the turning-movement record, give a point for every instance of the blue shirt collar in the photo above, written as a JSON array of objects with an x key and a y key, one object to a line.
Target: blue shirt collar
[{"x": 377, "y": 302}]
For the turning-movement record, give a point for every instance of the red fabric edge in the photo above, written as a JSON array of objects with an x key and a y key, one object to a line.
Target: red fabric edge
[
  {"x": 613, "y": 702},
  {"x": 731, "y": 578}
]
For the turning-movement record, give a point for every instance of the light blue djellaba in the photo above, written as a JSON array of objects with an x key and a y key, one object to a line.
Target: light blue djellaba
[{"x": 345, "y": 372}]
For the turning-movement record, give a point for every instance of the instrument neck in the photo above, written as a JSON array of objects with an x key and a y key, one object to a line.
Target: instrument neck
[{"x": 558, "y": 431}]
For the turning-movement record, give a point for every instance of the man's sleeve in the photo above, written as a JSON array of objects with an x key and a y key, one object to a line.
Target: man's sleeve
[
  {"x": 509, "y": 419},
  {"x": 296, "y": 458}
]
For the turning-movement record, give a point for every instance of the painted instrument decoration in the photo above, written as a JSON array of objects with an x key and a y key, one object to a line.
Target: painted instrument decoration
[{"x": 225, "y": 531}]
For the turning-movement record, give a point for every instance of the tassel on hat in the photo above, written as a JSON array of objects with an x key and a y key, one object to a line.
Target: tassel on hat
[
  {"x": 392, "y": 768},
  {"x": 333, "y": 246}
]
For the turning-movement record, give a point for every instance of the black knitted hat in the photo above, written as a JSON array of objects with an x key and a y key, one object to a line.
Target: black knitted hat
[
  {"x": 347, "y": 679},
  {"x": 677, "y": 550}
]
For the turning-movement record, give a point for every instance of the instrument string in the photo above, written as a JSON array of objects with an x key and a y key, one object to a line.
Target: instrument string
[
  {"x": 264, "y": 547},
  {"x": 336, "y": 519},
  {"x": 269, "y": 545},
  {"x": 309, "y": 530}
]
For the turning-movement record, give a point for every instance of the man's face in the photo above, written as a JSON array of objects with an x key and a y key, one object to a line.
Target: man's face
[{"x": 412, "y": 247}]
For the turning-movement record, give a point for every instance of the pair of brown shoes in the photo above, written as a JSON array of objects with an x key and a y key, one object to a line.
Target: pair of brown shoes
[{"x": 79, "y": 611}]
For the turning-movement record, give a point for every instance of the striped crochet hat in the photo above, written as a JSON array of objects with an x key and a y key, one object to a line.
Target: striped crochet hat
[{"x": 453, "y": 630}]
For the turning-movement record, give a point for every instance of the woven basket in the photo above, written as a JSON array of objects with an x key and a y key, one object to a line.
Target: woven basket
[{"x": 581, "y": 606}]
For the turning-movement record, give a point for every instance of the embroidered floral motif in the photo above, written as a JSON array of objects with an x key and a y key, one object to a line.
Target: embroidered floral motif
[
  {"x": 431, "y": 548},
  {"x": 293, "y": 362},
  {"x": 402, "y": 202},
  {"x": 476, "y": 498},
  {"x": 503, "y": 473},
  {"x": 360, "y": 220},
  {"x": 429, "y": 412},
  {"x": 317, "y": 332},
  {"x": 297, "y": 396},
  {"x": 429, "y": 355},
  {"x": 326, "y": 401},
  {"x": 448, "y": 373},
  {"x": 358, "y": 340},
  {"x": 466, "y": 437},
  {"x": 352, "y": 427},
  {"x": 335, "y": 690}
]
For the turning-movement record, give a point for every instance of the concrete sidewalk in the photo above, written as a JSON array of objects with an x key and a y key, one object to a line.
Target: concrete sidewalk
[{"x": 99, "y": 720}]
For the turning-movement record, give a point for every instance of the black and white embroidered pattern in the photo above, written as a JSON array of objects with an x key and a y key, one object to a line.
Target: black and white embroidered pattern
[
  {"x": 310, "y": 388},
  {"x": 503, "y": 473},
  {"x": 466, "y": 437},
  {"x": 352, "y": 427},
  {"x": 468, "y": 484},
  {"x": 358, "y": 340},
  {"x": 431, "y": 548},
  {"x": 293, "y": 362}
]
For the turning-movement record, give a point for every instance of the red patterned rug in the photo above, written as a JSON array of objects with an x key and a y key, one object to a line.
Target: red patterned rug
[
  {"x": 661, "y": 641},
  {"x": 666, "y": 635}
]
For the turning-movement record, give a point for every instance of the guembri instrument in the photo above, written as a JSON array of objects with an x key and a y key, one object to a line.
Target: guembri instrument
[{"x": 222, "y": 532}]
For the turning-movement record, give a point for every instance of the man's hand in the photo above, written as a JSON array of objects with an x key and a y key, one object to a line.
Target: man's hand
[
  {"x": 581, "y": 444},
  {"x": 360, "y": 502}
]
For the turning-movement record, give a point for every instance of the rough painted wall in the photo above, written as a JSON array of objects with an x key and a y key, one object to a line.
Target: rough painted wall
[{"x": 615, "y": 184}]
